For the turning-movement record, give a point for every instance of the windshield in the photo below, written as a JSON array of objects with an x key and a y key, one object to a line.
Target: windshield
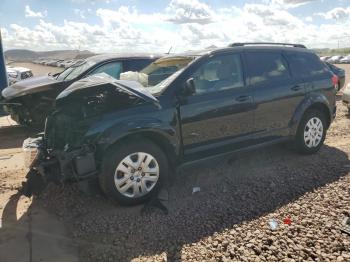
[
  {"x": 75, "y": 70},
  {"x": 162, "y": 85},
  {"x": 158, "y": 71}
]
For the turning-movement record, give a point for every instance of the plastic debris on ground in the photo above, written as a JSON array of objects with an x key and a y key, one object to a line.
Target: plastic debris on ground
[
  {"x": 196, "y": 189},
  {"x": 287, "y": 221},
  {"x": 346, "y": 225},
  {"x": 273, "y": 224}
]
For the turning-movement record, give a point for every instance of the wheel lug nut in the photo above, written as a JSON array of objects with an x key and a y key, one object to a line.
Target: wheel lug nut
[
  {"x": 132, "y": 178},
  {"x": 138, "y": 180},
  {"x": 143, "y": 174},
  {"x": 140, "y": 168}
]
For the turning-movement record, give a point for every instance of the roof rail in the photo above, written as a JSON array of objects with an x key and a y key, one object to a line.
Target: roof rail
[{"x": 267, "y": 43}]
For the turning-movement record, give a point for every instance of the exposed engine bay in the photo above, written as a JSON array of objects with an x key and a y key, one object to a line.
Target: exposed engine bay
[{"x": 64, "y": 152}]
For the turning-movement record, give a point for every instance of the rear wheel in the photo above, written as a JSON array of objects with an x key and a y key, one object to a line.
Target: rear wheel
[
  {"x": 311, "y": 132},
  {"x": 133, "y": 171}
]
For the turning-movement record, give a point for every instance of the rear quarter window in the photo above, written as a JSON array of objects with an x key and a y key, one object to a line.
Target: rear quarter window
[{"x": 306, "y": 65}]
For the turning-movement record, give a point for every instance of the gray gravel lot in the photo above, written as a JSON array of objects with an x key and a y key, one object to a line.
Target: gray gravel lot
[{"x": 228, "y": 218}]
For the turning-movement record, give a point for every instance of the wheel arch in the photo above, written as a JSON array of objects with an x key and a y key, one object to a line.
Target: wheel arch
[
  {"x": 170, "y": 149},
  {"x": 319, "y": 103}
]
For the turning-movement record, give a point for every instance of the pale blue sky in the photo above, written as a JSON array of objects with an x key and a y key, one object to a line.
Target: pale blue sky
[{"x": 115, "y": 25}]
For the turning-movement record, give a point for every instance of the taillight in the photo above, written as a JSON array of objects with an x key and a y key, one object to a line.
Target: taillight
[{"x": 335, "y": 81}]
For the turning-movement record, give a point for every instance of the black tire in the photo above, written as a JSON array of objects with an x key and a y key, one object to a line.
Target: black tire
[
  {"x": 116, "y": 154},
  {"x": 300, "y": 142}
]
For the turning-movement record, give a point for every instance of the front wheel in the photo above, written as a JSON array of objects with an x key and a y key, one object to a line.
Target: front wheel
[
  {"x": 133, "y": 171},
  {"x": 311, "y": 132}
]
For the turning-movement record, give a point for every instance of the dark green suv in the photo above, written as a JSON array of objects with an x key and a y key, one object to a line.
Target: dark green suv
[{"x": 227, "y": 99}]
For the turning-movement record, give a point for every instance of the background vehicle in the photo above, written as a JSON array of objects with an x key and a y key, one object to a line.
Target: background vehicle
[
  {"x": 16, "y": 74},
  {"x": 324, "y": 58},
  {"x": 346, "y": 97},
  {"x": 225, "y": 100},
  {"x": 28, "y": 102},
  {"x": 345, "y": 60},
  {"x": 339, "y": 72},
  {"x": 335, "y": 59}
]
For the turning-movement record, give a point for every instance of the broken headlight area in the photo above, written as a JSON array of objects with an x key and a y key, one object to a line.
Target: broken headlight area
[{"x": 56, "y": 166}]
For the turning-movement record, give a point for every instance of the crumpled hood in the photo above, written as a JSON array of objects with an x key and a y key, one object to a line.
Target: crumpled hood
[
  {"x": 28, "y": 86},
  {"x": 95, "y": 81}
]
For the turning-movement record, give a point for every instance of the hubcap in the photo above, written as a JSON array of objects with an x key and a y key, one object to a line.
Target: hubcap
[
  {"x": 313, "y": 132},
  {"x": 136, "y": 175}
]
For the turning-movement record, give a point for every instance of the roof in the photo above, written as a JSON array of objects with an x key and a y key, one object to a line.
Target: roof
[
  {"x": 262, "y": 47},
  {"x": 103, "y": 57}
]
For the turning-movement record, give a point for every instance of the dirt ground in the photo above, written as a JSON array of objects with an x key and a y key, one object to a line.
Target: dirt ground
[{"x": 227, "y": 220}]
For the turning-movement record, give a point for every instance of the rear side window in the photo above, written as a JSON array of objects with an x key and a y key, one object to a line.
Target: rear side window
[
  {"x": 136, "y": 64},
  {"x": 265, "y": 66},
  {"x": 304, "y": 65}
]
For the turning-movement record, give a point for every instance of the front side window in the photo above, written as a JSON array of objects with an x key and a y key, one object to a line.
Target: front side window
[
  {"x": 113, "y": 69},
  {"x": 265, "y": 67},
  {"x": 219, "y": 73}
]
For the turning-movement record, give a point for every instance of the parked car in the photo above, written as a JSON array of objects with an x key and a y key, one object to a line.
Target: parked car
[
  {"x": 16, "y": 74},
  {"x": 324, "y": 58},
  {"x": 345, "y": 60},
  {"x": 339, "y": 72},
  {"x": 68, "y": 63},
  {"x": 335, "y": 59},
  {"x": 226, "y": 100},
  {"x": 28, "y": 102},
  {"x": 346, "y": 97}
]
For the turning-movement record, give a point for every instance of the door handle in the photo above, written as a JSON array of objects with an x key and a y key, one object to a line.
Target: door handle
[
  {"x": 243, "y": 98},
  {"x": 296, "y": 88}
]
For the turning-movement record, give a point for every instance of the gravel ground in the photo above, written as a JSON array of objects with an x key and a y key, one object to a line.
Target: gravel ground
[{"x": 228, "y": 219}]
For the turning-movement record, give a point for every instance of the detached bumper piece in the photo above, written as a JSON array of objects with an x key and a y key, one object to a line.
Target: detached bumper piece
[
  {"x": 346, "y": 225},
  {"x": 56, "y": 166}
]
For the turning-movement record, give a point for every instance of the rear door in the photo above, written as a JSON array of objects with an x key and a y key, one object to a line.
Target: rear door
[
  {"x": 221, "y": 111},
  {"x": 276, "y": 93}
]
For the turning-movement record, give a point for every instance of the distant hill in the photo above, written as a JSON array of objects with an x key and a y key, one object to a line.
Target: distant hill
[{"x": 24, "y": 55}]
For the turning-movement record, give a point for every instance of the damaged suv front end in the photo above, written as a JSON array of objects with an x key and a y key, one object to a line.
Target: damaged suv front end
[{"x": 70, "y": 149}]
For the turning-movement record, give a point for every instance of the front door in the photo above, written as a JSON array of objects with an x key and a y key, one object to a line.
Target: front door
[{"x": 220, "y": 111}]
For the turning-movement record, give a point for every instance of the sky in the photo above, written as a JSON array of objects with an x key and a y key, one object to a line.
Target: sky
[{"x": 156, "y": 26}]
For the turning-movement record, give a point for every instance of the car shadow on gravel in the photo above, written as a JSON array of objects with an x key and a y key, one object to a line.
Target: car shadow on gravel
[{"x": 233, "y": 190}]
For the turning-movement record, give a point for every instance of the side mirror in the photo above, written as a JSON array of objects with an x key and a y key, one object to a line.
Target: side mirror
[{"x": 189, "y": 88}]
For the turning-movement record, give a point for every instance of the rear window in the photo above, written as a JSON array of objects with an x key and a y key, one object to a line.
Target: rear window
[
  {"x": 305, "y": 65},
  {"x": 265, "y": 66}
]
